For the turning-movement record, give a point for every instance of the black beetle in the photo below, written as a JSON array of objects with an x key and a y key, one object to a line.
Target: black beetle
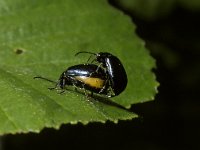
[
  {"x": 114, "y": 69},
  {"x": 84, "y": 76}
]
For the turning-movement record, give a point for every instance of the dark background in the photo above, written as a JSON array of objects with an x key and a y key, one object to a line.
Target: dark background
[{"x": 172, "y": 121}]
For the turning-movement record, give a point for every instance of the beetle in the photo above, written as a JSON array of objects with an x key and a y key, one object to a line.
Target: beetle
[
  {"x": 83, "y": 76},
  {"x": 114, "y": 69}
]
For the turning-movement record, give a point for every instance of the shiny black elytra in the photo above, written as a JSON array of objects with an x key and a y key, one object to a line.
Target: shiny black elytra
[
  {"x": 84, "y": 76},
  {"x": 114, "y": 69}
]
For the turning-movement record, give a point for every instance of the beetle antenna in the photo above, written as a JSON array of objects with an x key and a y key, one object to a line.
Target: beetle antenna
[
  {"x": 39, "y": 77},
  {"x": 87, "y": 53},
  {"x": 84, "y": 52}
]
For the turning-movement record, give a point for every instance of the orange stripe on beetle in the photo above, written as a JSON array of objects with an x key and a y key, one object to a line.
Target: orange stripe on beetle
[{"x": 93, "y": 82}]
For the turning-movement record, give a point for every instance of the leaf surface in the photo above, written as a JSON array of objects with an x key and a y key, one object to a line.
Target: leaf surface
[{"x": 40, "y": 38}]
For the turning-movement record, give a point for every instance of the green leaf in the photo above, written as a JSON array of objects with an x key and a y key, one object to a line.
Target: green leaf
[
  {"x": 154, "y": 9},
  {"x": 41, "y": 38},
  {"x": 148, "y": 9}
]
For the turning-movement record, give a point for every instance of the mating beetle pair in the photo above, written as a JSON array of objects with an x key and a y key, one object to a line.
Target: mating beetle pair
[{"x": 108, "y": 77}]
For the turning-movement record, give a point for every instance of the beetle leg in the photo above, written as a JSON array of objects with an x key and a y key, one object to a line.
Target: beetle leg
[
  {"x": 55, "y": 87},
  {"x": 99, "y": 66},
  {"x": 62, "y": 91},
  {"x": 86, "y": 94},
  {"x": 105, "y": 86},
  {"x": 90, "y": 58},
  {"x": 72, "y": 78},
  {"x": 96, "y": 71},
  {"x": 91, "y": 94}
]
